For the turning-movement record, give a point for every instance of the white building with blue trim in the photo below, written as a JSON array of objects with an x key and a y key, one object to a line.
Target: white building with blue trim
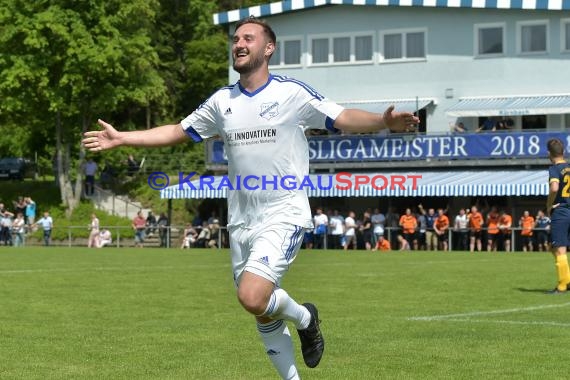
[
  {"x": 449, "y": 60},
  {"x": 457, "y": 60}
]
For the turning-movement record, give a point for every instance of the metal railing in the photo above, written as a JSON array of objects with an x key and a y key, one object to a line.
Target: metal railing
[
  {"x": 118, "y": 203},
  {"x": 391, "y": 233},
  {"x": 122, "y": 236}
]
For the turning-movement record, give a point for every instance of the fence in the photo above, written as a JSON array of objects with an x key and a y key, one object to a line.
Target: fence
[
  {"x": 453, "y": 238},
  {"x": 122, "y": 237}
]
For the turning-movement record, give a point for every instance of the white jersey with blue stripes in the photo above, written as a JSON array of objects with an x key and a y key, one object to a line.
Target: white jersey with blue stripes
[{"x": 264, "y": 137}]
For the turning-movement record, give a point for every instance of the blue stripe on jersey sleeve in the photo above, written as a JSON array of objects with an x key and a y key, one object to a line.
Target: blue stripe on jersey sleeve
[
  {"x": 329, "y": 123},
  {"x": 191, "y": 132},
  {"x": 308, "y": 88}
]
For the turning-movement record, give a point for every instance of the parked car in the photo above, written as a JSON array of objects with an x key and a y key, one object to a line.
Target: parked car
[{"x": 16, "y": 168}]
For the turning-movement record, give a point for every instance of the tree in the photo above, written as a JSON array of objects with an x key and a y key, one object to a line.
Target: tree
[{"x": 61, "y": 62}]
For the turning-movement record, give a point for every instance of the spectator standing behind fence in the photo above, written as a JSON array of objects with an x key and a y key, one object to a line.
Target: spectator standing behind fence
[
  {"x": 475, "y": 229},
  {"x": 19, "y": 205},
  {"x": 46, "y": 222},
  {"x": 505, "y": 224},
  {"x": 321, "y": 221},
  {"x": 19, "y": 230},
  {"x": 90, "y": 170},
  {"x": 93, "y": 241},
  {"x": 441, "y": 228},
  {"x": 542, "y": 228},
  {"x": 336, "y": 225},
  {"x": 139, "y": 225},
  {"x": 378, "y": 220},
  {"x": 150, "y": 224},
  {"x": 421, "y": 232},
  {"x": 6, "y": 218},
  {"x": 492, "y": 229},
  {"x": 408, "y": 223},
  {"x": 30, "y": 213},
  {"x": 462, "y": 230},
  {"x": 163, "y": 223},
  {"x": 350, "y": 231},
  {"x": 431, "y": 238},
  {"x": 526, "y": 223},
  {"x": 367, "y": 231}
]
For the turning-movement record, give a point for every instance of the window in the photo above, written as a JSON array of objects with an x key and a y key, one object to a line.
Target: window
[
  {"x": 407, "y": 45},
  {"x": 320, "y": 50},
  {"x": 534, "y": 122},
  {"x": 533, "y": 37},
  {"x": 489, "y": 39},
  {"x": 287, "y": 52},
  {"x": 292, "y": 52},
  {"x": 567, "y": 121},
  {"x": 342, "y": 49},
  {"x": 565, "y": 39},
  {"x": 363, "y": 48}
]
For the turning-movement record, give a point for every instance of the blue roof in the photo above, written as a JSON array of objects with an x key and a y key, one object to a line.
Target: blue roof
[{"x": 280, "y": 7}]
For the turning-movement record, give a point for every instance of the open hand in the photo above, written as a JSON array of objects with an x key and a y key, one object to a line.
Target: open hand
[
  {"x": 106, "y": 138},
  {"x": 400, "y": 121}
]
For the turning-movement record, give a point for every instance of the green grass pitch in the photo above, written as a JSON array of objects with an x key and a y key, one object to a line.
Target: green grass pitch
[{"x": 74, "y": 313}]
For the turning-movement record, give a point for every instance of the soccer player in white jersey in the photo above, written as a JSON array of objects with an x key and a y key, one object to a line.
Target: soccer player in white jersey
[{"x": 262, "y": 120}]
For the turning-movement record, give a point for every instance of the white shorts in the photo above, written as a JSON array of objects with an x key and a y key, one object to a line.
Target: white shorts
[{"x": 265, "y": 250}]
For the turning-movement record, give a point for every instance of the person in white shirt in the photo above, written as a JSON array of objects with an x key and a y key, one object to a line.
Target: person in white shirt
[
  {"x": 47, "y": 225},
  {"x": 350, "y": 231},
  {"x": 6, "y": 219},
  {"x": 93, "y": 241},
  {"x": 262, "y": 120},
  {"x": 336, "y": 224},
  {"x": 105, "y": 238},
  {"x": 462, "y": 229},
  {"x": 18, "y": 230},
  {"x": 378, "y": 219},
  {"x": 321, "y": 221}
]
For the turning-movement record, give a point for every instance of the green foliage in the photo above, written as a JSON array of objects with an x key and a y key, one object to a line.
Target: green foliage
[
  {"x": 80, "y": 217},
  {"x": 135, "y": 64},
  {"x": 46, "y": 196}
]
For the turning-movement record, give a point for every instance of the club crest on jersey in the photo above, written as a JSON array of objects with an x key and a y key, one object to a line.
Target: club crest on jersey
[{"x": 269, "y": 110}]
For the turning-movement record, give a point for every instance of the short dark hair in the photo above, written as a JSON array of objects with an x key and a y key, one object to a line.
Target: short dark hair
[
  {"x": 555, "y": 148},
  {"x": 266, "y": 28}
]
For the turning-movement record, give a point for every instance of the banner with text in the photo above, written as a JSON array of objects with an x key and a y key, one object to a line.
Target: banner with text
[{"x": 357, "y": 148}]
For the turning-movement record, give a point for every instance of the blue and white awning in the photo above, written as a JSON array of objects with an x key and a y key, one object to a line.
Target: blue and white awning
[
  {"x": 280, "y": 7},
  {"x": 510, "y": 106},
  {"x": 412, "y": 184},
  {"x": 400, "y": 105}
]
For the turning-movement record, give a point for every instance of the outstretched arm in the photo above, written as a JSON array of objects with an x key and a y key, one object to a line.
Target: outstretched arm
[
  {"x": 108, "y": 137},
  {"x": 360, "y": 121}
]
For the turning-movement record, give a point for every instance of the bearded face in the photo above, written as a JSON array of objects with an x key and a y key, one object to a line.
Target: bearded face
[
  {"x": 247, "y": 61},
  {"x": 249, "y": 49}
]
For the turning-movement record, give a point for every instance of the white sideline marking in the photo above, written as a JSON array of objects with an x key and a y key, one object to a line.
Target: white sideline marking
[
  {"x": 507, "y": 322},
  {"x": 491, "y": 312},
  {"x": 104, "y": 269}
]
